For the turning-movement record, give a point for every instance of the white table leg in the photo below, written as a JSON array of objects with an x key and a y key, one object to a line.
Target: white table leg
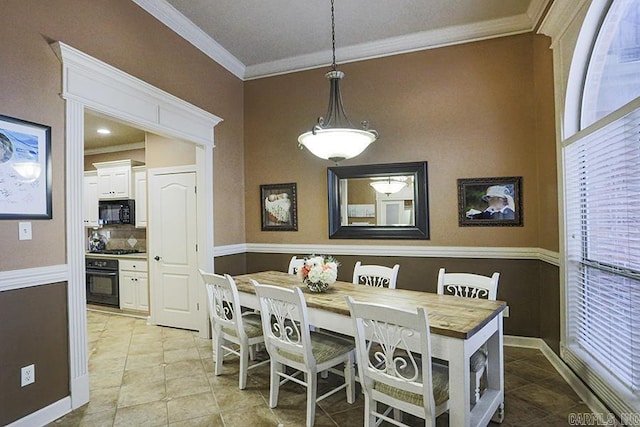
[
  {"x": 459, "y": 383},
  {"x": 495, "y": 368}
]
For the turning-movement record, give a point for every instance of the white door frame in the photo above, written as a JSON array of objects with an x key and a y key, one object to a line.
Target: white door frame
[{"x": 90, "y": 83}]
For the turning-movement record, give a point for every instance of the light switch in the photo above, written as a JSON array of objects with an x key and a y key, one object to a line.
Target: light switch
[{"x": 24, "y": 230}]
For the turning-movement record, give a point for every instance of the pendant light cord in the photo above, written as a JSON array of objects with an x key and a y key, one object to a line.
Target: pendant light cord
[{"x": 333, "y": 37}]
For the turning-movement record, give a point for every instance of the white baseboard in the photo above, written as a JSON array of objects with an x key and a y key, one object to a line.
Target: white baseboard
[
  {"x": 46, "y": 415},
  {"x": 583, "y": 392}
]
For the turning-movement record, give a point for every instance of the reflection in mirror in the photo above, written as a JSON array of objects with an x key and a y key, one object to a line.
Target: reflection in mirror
[{"x": 378, "y": 201}]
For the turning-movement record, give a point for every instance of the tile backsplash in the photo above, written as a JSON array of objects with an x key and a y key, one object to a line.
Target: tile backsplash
[{"x": 122, "y": 237}]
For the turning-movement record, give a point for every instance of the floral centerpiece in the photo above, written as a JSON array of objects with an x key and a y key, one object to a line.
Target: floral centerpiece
[{"x": 318, "y": 272}]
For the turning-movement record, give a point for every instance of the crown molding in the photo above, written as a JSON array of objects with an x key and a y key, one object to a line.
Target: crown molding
[
  {"x": 114, "y": 148},
  {"x": 182, "y": 26},
  {"x": 560, "y": 16},
  {"x": 169, "y": 16},
  {"x": 397, "y": 45},
  {"x": 536, "y": 10}
]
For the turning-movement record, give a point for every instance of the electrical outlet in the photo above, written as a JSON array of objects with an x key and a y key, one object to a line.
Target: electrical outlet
[{"x": 28, "y": 375}]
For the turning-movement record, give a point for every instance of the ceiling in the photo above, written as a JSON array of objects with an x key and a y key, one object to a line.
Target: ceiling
[
  {"x": 254, "y": 39},
  {"x": 122, "y": 137}
]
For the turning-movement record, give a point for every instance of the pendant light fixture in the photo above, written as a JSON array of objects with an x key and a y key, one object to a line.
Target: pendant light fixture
[
  {"x": 334, "y": 137},
  {"x": 388, "y": 185}
]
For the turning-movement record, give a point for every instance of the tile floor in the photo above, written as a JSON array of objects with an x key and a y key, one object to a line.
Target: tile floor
[{"x": 143, "y": 375}]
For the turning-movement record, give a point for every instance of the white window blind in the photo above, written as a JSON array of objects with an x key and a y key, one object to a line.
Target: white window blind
[{"x": 602, "y": 213}]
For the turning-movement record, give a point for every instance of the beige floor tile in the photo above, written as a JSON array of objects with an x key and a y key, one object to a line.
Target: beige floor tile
[
  {"x": 148, "y": 414},
  {"x": 147, "y": 333},
  {"x": 107, "y": 364},
  {"x": 188, "y": 407},
  {"x": 173, "y": 333},
  {"x": 169, "y": 380},
  {"x": 136, "y": 361},
  {"x": 104, "y": 379},
  {"x": 187, "y": 386},
  {"x": 177, "y": 355},
  {"x": 232, "y": 399},
  {"x": 138, "y": 393},
  {"x": 143, "y": 375},
  {"x": 257, "y": 417},
  {"x": 206, "y": 421},
  {"x": 184, "y": 368},
  {"x": 141, "y": 347},
  {"x": 179, "y": 343},
  {"x": 102, "y": 399}
]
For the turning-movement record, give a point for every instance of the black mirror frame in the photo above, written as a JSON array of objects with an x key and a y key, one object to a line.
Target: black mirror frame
[{"x": 418, "y": 232}]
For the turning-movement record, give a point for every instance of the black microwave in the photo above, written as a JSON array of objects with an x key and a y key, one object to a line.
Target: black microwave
[{"x": 116, "y": 212}]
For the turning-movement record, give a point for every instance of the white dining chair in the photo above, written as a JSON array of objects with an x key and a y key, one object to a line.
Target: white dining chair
[
  {"x": 290, "y": 342},
  {"x": 390, "y": 373},
  {"x": 295, "y": 264},
  {"x": 375, "y": 275},
  {"x": 229, "y": 324},
  {"x": 470, "y": 285}
]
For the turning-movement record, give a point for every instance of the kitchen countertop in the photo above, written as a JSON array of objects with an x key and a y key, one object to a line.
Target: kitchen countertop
[{"x": 140, "y": 255}]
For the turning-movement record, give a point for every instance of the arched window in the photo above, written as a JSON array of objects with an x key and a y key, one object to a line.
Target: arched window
[
  {"x": 601, "y": 171},
  {"x": 613, "y": 74}
]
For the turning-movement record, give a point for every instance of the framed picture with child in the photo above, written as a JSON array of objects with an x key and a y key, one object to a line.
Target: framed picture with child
[
  {"x": 490, "y": 201},
  {"x": 279, "y": 207}
]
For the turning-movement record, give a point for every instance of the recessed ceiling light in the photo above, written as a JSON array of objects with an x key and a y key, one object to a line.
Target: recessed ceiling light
[{"x": 104, "y": 131}]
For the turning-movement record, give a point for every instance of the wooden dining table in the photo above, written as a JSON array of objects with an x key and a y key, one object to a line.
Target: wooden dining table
[{"x": 459, "y": 326}]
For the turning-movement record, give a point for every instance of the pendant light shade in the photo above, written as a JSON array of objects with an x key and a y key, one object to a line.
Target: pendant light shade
[
  {"x": 334, "y": 137},
  {"x": 388, "y": 186}
]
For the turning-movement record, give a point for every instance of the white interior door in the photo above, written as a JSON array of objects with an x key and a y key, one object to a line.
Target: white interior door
[{"x": 173, "y": 250}]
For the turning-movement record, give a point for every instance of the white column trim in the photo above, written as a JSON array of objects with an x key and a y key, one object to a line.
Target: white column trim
[
  {"x": 88, "y": 82},
  {"x": 108, "y": 90},
  {"x": 76, "y": 288}
]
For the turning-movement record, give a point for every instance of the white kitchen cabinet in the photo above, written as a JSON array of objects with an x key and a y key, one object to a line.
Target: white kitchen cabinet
[
  {"x": 134, "y": 285},
  {"x": 115, "y": 179},
  {"x": 140, "y": 186},
  {"x": 90, "y": 199}
]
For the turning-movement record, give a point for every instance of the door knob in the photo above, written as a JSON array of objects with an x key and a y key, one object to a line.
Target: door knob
[{"x": 157, "y": 258}]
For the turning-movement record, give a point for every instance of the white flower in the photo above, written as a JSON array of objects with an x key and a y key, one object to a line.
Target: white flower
[{"x": 316, "y": 270}]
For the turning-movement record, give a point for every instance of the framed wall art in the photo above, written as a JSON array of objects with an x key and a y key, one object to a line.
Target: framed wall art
[
  {"x": 490, "y": 201},
  {"x": 279, "y": 207},
  {"x": 25, "y": 169}
]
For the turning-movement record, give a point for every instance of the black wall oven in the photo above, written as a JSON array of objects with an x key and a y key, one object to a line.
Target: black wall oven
[{"x": 102, "y": 281}]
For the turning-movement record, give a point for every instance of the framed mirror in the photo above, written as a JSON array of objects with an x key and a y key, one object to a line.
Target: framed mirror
[{"x": 386, "y": 201}]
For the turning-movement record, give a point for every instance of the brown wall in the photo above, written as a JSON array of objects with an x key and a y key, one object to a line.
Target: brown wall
[
  {"x": 125, "y": 36},
  {"x": 34, "y": 331},
  {"x": 470, "y": 110},
  {"x": 165, "y": 152}
]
